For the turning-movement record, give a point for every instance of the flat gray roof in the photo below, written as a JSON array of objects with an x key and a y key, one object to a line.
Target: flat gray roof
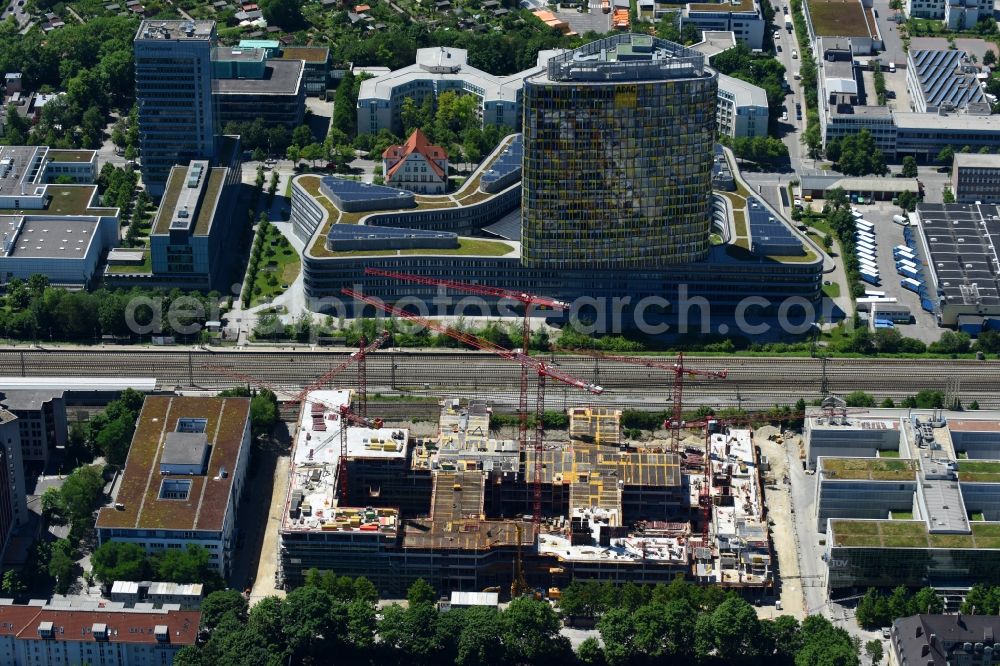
[
  {"x": 20, "y": 165},
  {"x": 281, "y": 77},
  {"x": 63, "y": 237},
  {"x": 962, "y": 241},
  {"x": 977, "y": 160},
  {"x": 27, "y": 399},
  {"x": 187, "y": 30},
  {"x": 184, "y": 448}
]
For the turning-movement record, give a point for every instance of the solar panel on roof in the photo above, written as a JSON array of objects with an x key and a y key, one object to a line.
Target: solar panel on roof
[
  {"x": 770, "y": 235},
  {"x": 505, "y": 168}
]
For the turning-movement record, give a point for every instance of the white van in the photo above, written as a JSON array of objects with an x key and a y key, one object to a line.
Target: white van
[{"x": 901, "y": 220}]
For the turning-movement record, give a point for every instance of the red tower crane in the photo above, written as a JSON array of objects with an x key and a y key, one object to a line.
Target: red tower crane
[
  {"x": 542, "y": 370},
  {"x": 526, "y": 300},
  {"x": 679, "y": 370},
  {"x": 359, "y": 358}
]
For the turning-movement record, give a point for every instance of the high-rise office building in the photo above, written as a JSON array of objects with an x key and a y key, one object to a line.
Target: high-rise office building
[
  {"x": 618, "y": 149},
  {"x": 173, "y": 86}
]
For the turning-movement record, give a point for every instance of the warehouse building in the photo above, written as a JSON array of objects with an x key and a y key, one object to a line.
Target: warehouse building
[{"x": 960, "y": 242}]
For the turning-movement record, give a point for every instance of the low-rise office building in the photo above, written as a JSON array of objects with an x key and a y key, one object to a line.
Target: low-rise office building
[
  {"x": 246, "y": 85},
  {"x": 315, "y": 67},
  {"x": 184, "y": 477},
  {"x": 957, "y": 14},
  {"x": 741, "y": 109},
  {"x": 843, "y": 107},
  {"x": 41, "y": 421},
  {"x": 436, "y": 70},
  {"x": 46, "y": 635},
  {"x": 976, "y": 178},
  {"x": 742, "y": 18}
]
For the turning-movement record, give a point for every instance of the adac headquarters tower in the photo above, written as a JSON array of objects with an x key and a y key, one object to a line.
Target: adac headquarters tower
[{"x": 618, "y": 150}]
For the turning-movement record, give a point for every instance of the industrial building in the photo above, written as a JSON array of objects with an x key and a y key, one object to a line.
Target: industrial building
[
  {"x": 917, "y": 502},
  {"x": 976, "y": 178},
  {"x": 436, "y": 70},
  {"x": 183, "y": 478},
  {"x": 41, "y": 421},
  {"x": 36, "y": 634},
  {"x": 13, "y": 493},
  {"x": 452, "y": 508},
  {"x": 960, "y": 243}
]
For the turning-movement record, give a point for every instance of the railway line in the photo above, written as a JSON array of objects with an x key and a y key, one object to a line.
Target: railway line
[{"x": 753, "y": 382}]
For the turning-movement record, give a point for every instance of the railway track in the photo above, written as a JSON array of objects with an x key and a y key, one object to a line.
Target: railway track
[{"x": 752, "y": 382}]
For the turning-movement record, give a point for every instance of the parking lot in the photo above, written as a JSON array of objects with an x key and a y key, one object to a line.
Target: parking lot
[{"x": 887, "y": 235}]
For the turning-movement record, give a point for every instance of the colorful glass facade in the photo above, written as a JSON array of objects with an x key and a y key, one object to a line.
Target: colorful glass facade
[{"x": 618, "y": 146}]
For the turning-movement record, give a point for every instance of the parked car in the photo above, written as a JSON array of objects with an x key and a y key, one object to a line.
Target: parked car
[{"x": 795, "y": 54}]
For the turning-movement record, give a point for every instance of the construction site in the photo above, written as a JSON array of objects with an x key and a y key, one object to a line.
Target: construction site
[{"x": 458, "y": 509}]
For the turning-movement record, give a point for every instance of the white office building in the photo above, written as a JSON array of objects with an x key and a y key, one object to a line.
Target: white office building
[{"x": 741, "y": 109}]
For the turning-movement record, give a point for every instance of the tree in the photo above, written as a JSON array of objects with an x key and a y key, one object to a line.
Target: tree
[
  {"x": 11, "y": 584},
  {"x": 909, "y": 167},
  {"x": 907, "y": 201},
  {"x": 618, "y": 634},
  {"x": 119, "y": 560},
  {"x": 302, "y": 136},
  {"x": 219, "y": 603},
  {"x": 859, "y": 399},
  {"x": 531, "y": 633},
  {"x": 284, "y": 13},
  {"x": 115, "y": 439},
  {"x": 873, "y": 648},
  {"x": 421, "y": 592},
  {"x": 947, "y": 196},
  {"x": 263, "y": 411},
  {"x": 926, "y": 600},
  {"x": 989, "y": 58},
  {"x": 61, "y": 565},
  {"x": 80, "y": 492},
  {"x": 946, "y": 156},
  {"x": 306, "y": 616},
  {"x": 53, "y": 504},
  {"x": 481, "y": 641}
]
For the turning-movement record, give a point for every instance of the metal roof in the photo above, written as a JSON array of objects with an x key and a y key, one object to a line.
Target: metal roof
[
  {"x": 962, "y": 240},
  {"x": 947, "y": 78}
]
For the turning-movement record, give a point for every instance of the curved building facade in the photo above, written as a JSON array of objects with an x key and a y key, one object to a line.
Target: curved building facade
[{"x": 618, "y": 146}]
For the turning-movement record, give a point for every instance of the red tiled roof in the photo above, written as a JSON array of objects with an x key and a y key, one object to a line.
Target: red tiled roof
[
  {"x": 77, "y": 625},
  {"x": 420, "y": 144}
]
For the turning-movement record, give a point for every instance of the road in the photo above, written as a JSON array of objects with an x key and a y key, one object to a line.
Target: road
[{"x": 753, "y": 382}]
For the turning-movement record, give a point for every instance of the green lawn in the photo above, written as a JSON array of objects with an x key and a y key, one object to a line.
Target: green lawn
[
  {"x": 902, "y": 515},
  {"x": 888, "y": 453},
  {"x": 145, "y": 267},
  {"x": 466, "y": 246},
  {"x": 831, "y": 290},
  {"x": 980, "y": 470},
  {"x": 279, "y": 266}
]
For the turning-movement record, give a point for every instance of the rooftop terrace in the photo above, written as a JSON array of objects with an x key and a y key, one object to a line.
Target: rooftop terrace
[
  {"x": 66, "y": 200},
  {"x": 839, "y": 18}
]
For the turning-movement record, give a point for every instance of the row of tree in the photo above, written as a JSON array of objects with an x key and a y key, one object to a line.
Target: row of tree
[
  {"x": 876, "y": 609},
  {"x": 676, "y": 623},
  {"x": 120, "y": 560}
]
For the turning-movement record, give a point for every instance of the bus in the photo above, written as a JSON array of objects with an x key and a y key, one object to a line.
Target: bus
[
  {"x": 906, "y": 262},
  {"x": 908, "y": 272},
  {"x": 911, "y": 285},
  {"x": 872, "y": 293},
  {"x": 903, "y": 254},
  {"x": 864, "y": 255},
  {"x": 870, "y": 278},
  {"x": 862, "y": 236},
  {"x": 862, "y": 223},
  {"x": 865, "y": 245}
]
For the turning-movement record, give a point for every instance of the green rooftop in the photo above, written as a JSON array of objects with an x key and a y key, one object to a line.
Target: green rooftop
[
  {"x": 66, "y": 200},
  {"x": 80, "y": 156},
  {"x": 206, "y": 207},
  {"x": 868, "y": 469},
  {"x": 909, "y": 534},
  {"x": 979, "y": 471}
]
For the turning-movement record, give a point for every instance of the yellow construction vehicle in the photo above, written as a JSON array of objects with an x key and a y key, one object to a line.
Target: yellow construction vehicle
[{"x": 519, "y": 586}]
